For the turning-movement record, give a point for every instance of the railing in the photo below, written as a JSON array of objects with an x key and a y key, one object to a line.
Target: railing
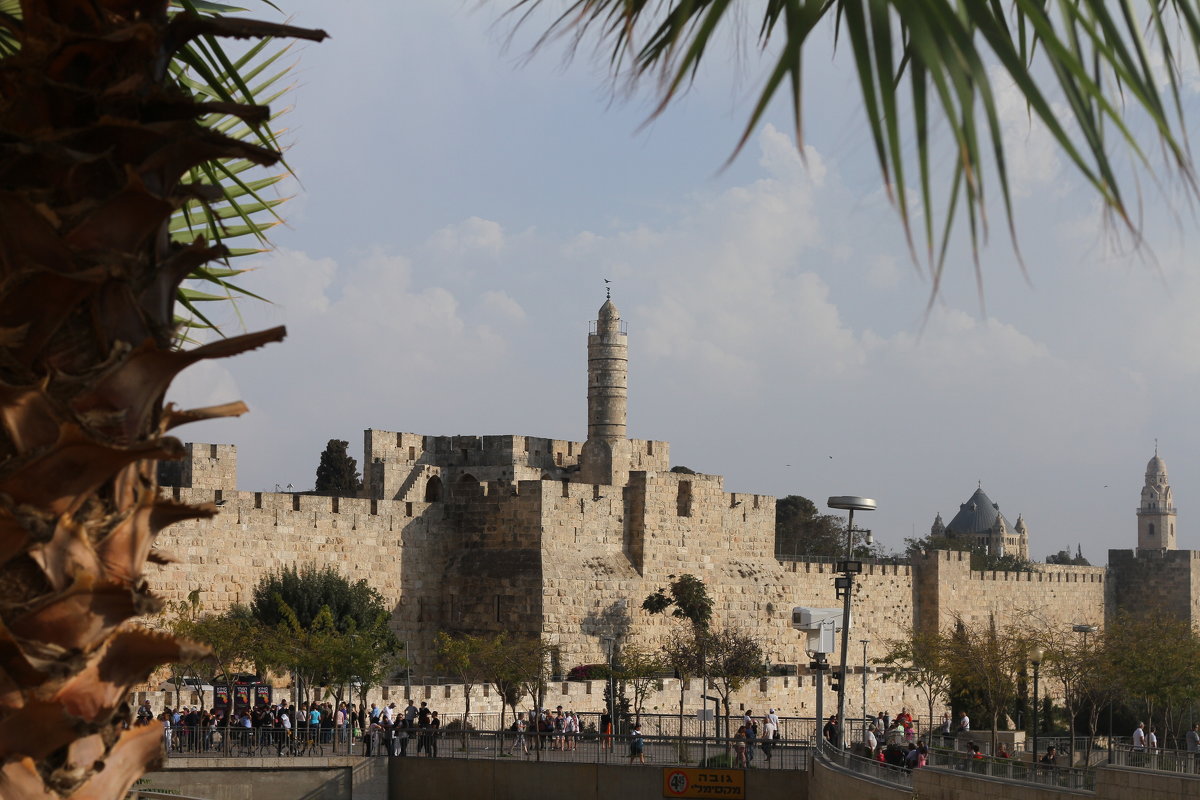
[
  {"x": 775, "y": 754},
  {"x": 233, "y": 742},
  {"x": 658, "y": 724},
  {"x": 1011, "y": 769},
  {"x": 1125, "y": 755},
  {"x": 880, "y": 771}
]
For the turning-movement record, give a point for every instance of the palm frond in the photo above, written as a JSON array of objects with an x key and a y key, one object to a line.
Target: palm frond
[{"x": 1085, "y": 69}]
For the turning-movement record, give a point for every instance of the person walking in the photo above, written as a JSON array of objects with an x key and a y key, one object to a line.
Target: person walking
[
  {"x": 434, "y": 732},
  {"x": 637, "y": 746}
]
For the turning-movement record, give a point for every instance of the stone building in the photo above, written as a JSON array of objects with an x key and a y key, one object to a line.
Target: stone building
[
  {"x": 564, "y": 539},
  {"x": 980, "y": 524}
]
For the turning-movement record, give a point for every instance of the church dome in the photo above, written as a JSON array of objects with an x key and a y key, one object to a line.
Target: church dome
[{"x": 977, "y": 515}]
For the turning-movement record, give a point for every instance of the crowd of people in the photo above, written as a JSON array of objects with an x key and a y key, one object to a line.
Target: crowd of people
[{"x": 283, "y": 727}]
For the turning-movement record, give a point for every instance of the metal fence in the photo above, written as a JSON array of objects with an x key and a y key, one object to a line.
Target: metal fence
[
  {"x": 234, "y": 742},
  {"x": 776, "y": 754},
  {"x": 1012, "y": 769},
  {"x": 868, "y": 767},
  {"x": 1126, "y": 755},
  {"x": 659, "y": 724}
]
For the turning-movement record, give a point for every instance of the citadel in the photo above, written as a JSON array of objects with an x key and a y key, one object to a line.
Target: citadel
[{"x": 562, "y": 540}]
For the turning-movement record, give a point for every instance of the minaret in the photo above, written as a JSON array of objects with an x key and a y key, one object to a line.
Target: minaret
[
  {"x": 1156, "y": 514},
  {"x": 608, "y": 376},
  {"x": 606, "y": 454}
]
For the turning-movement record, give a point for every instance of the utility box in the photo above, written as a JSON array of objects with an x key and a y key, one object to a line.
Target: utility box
[{"x": 820, "y": 624}]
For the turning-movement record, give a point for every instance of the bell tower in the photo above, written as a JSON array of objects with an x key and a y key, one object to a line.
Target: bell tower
[{"x": 1156, "y": 514}]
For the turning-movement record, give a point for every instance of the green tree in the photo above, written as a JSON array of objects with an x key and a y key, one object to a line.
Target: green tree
[
  {"x": 498, "y": 669},
  {"x": 1065, "y": 557},
  {"x": 690, "y": 599},
  {"x": 125, "y": 136},
  {"x": 307, "y": 589},
  {"x": 919, "y": 659},
  {"x": 801, "y": 530},
  {"x": 338, "y": 471},
  {"x": 463, "y": 658},
  {"x": 731, "y": 658},
  {"x": 931, "y": 66},
  {"x": 641, "y": 668},
  {"x": 1155, "y": 660},
  {"x": 987, "y": 661}
]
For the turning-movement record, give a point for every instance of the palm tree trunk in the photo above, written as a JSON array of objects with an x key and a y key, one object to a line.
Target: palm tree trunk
[{"x": 95, "y": 137}]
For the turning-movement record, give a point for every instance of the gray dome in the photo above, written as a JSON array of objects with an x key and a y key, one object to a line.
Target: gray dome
[
  {"x": 977, "y": 515},
  {"x": 1156, "y": 466}
]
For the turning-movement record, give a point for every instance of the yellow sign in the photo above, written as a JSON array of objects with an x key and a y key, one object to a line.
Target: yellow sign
[{"x": 685, "y": 782}]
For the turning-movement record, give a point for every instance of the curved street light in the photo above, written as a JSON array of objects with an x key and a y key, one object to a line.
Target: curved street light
[{"x": 845, "y": 585}]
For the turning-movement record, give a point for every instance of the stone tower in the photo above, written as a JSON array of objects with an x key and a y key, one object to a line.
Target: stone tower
[
  {"x": 606, "y": 454},
  {"x": 1156, "y": 514}
]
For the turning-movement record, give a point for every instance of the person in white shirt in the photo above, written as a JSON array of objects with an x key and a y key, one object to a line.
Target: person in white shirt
[
  {"x": 964, "y": 722},
  {"x": 869, "y": 740},
  {"x": 389, "y": 714},
  {"x": 1139, "y": 737},
  {"x": 1152, "y": 740}
]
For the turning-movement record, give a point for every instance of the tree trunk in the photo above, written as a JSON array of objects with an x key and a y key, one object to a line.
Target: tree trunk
[{"x": 95, "y": 140}]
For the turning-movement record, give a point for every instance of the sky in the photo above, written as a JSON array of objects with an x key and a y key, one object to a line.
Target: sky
[{"x": 458, "y": 204}]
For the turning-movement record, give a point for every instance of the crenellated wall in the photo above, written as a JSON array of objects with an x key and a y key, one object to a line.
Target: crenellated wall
[{"x": 548, "y": 555}]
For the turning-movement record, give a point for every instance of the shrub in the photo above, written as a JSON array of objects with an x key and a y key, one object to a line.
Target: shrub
[
  {"x": 457, "y": 726},
  {"x": 588, "y": 672}
]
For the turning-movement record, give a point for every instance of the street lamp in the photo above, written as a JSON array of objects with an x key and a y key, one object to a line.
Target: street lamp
[
  {"x": 1035, "y": 657},
  {"x": 845, "y": 585}
]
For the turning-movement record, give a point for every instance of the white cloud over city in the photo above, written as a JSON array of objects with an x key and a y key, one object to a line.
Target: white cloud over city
[{"x": 778, "y": 327}]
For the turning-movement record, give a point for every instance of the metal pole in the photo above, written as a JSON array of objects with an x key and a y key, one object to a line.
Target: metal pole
[
  {"x": 1036, "y": 666},
  {"x": 841, "y": 723},
  {"x": 864, "y": 709},
  {"x": 820, "y": 700}
]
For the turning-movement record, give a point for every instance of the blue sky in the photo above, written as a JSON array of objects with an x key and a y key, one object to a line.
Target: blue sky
[{"x": 459, "y": 204}]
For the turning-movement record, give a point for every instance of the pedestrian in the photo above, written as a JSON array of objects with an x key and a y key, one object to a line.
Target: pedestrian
[
  {"x": 435, "y": 730},
  {"x": 606, "y": 731},
  {"x": 1152, "y": 740},
  {"x": 770, "y": 731},
  {"x": 830, "y": 731},
  {"x": 637, "y": 746},
  {"x": 870, "y": 742},
  {"x": 739, "y": 746},
  {"x": 946, "y": 729},
  {"x": 964, "y": 723},
  {"x": 751, "y": 737},
  {"x": 518, "y": 730},
  {"x": 1139, "y": 738}
]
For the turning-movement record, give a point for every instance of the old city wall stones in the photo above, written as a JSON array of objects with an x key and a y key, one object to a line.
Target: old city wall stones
[{"x": 572, "y": 561}]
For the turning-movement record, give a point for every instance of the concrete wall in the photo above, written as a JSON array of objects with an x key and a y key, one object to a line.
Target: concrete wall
[
  {"x": 336, "y": 778},
  {"x": 520, "y": 780}
]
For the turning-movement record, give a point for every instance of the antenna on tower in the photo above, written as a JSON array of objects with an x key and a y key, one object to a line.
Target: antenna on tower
[
  {"x": 607, "y": 289},
  {"x": 1155, "y": 446}
]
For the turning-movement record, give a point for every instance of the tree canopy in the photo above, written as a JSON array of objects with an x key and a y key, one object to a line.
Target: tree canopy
[
  {"x": 338, "y": 471},
  {"x": 688, "y": 595},
  {"x": 306, "y": 590}
]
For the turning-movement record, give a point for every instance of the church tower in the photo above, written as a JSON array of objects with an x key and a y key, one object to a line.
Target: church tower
[
  {"x": 606, "y": 454},
  {"x": 1156, "y": 514}
]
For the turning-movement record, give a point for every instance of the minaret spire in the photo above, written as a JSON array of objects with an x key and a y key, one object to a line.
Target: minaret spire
[
  {"x": 1156, "y": 514},
  {"x": 605, "y": 457}
]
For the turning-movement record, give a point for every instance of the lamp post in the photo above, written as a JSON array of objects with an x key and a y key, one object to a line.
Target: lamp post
[
  {"x": 1085, "y": 629},
  {"x": 845, "y": 585},
  {"x": 1035, "y": 657}
]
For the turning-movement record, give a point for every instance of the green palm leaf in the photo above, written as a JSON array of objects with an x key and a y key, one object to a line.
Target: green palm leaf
[{"x": 1097, "y": 59}]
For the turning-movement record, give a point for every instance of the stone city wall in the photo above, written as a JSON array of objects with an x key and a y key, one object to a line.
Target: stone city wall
[
  {"x": 1053, "y": 597},
  {"x": 573, "y": 562}
]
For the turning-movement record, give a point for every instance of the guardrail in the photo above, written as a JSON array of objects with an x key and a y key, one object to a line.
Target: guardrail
[
  {"x": 1012, "y": 769},
  {"x": 1181, "y": 761},
  {"x": 869, "y": 767}
]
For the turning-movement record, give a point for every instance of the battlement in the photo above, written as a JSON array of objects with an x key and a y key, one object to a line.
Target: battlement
[{"x": 206, "y": 466}]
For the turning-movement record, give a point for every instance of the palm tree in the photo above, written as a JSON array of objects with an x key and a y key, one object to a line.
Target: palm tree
[
  {"x": 101, "y": 135},
  {"x": 927, "y": 61}
]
